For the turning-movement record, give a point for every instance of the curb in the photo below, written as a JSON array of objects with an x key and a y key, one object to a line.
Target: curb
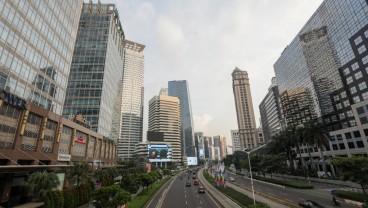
[
  {"x": 280, "y": 201},
  {"x": 157, "y": 191}
]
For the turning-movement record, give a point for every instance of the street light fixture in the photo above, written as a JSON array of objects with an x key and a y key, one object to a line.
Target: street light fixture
[{"x": 250, "y": 167}]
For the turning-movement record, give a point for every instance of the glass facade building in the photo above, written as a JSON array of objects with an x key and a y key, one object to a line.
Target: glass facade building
[
  {"x": 36, "y": 47},
  {"x": 180, "y": 89},
  {"x": 323, "y": 74},
  {"x": 270, "y": 110},
  {"x": 132, "y": 99},
  {"x": 94, "y": 84}
]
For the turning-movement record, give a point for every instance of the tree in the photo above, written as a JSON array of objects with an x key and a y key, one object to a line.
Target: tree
[
  {"x": 166, "y": 172},
  {"x": 284, "y": 143},
  {"x": 317, "y": 135},
  {"x": 146, "y": 179},
  {"x": 274, "y": 163},
  {"x": 41, "y": 183},
  {"x": 110, "y": 197},
  {"x": 353, "y": 169},
  {"x": 80, "y": 173}
]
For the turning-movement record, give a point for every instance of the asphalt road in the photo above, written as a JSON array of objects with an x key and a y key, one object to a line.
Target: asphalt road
[
  {"x": 180, "y": 196},
  {"x": 319, "y": 195}
]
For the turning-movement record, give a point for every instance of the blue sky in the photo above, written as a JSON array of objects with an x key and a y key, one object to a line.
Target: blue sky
[{"x": 202, "y": 41}]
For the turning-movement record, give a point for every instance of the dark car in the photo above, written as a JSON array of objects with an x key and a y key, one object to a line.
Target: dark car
[
  {"x": 201, "y": 190},
  {"x": 196, "y": 182},
  {"x": 188, "y": 184},
  {"x": 310, "y": 204}
]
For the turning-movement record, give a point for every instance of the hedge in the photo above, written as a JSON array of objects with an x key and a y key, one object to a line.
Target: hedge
[
  {"x": 240, "y": 198},
  {"x": 75, "y": 197},
  {"x": 292, "y": 184},
  {"x": 352, "y": 195}
]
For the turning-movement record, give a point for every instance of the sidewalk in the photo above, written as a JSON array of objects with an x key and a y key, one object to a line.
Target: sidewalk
[{"x": 216, "y": 194}]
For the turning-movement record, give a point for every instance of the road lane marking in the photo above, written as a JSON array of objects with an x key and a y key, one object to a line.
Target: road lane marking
[
  {"x": 185, "y": 196},
  {"x": 200, "y": 202},
  {"x": 186, "y": 203}
]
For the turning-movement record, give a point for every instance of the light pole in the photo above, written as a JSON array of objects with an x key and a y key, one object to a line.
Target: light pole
[{"x": 250, "y": 168}]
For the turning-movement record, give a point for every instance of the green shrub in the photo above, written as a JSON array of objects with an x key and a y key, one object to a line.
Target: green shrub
[
  {"x": 292, "y": 184},
  {"x": 351, "y": 195}
]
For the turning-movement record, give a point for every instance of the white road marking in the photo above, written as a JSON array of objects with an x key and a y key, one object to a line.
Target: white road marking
[
  {"x": 186, "y": 203},
  {"x": 185, "y": 196},
  {"x": 197, "y": 195},
  {"x": 200, "y": 202}
]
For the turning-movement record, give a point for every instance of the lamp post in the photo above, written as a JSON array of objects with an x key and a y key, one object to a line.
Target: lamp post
[{"x": 250, "y": 168}]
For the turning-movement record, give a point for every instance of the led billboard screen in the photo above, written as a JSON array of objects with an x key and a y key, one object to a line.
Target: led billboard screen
[
  {"x": 159, "y": 153},
  {"x": 192, "y": 160},
  {"x": 201, "y": 153}
]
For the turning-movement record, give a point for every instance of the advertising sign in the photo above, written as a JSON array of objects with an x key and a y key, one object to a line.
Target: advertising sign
[
  {"x": 80, "y": 140},
  {"x": 159, "y": 153},
  {"x": 192, "y": 161},
  {"x": 201, "y": 153},
  {"x": 63, "y": 157}
]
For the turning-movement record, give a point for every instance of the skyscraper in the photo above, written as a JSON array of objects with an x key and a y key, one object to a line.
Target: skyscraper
[
  {"x": 236, "y": 141},
  {"x": 244, "y": 109},
  {"x": 164, "y": 116},
  {"x": 322, "y": 74},
  {"x": 36, "y": 46},
  {"x": 270, "y": 110},
  {"x": 94, "y": 85},
  {"x": 180, "y": 89},
  {"x": 132, "y": 99},
  {"x": 220, "y": 142}
]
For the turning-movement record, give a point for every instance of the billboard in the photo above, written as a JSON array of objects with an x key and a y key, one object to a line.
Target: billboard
[
  {"x": 201, "y": 153},
  {"x": 159, "y": 153},
  {"x": 155, "y": 136},
  {"x": 192, "y": 161}
]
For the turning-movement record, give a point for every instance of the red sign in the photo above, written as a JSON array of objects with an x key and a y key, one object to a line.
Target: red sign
[{"x": 80, "y": 140}]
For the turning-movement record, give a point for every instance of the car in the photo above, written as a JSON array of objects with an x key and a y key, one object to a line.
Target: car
[
  {"x": 194, "y": 177},
  {"x": 196, "y": 182},
  {"x": 201, "y": 189},
  {"x": 309, "y": 204},
  {"x": 188, "y": 184},
  {"x": 232, "y": 179}
]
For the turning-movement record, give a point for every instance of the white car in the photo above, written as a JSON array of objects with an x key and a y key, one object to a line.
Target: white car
[{"x": 232, "y": 179}]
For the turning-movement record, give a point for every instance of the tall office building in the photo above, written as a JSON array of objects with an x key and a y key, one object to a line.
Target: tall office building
[
  {"x": 323, "y": 74},
  {"x": 244, "y": 109},
  {"x": 94, "y": 85},
  {"x": 132, "y": 99},
  {"x": 220, "y": 143},
  {"x": 36, "y": 46},
  {"x": 164, "y": 116},
  {"x": 199, "y": 144},
  {"x": 208, "y": 147},
  {"x": 236, "y": 141},
  {"x": 180, "y": 89},
  {"x": 271, "y": 114}
]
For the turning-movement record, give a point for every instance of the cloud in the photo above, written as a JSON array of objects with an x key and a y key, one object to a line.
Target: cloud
[{"x": 201, "y": 123}]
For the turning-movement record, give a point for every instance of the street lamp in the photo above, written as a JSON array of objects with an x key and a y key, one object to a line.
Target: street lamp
[{"x": 250, "y": 168}]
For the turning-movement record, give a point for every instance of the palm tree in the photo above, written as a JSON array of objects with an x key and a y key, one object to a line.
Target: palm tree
[
  {"x": 80, "y": 173},
  {"x": 41, "y": 183},
  {"x": 318, "y": 136}
]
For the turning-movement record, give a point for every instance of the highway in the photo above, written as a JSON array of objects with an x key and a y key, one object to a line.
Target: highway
[
  {"x": 181, "y": 196},
  {"x": 320, "y": 195}
]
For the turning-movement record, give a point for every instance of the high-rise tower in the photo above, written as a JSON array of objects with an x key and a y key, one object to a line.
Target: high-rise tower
[
  {"x": 94, "y": 85},
  {"x": 180, "y": 89},
  {"x": 164, "y": 116},
  {"x": 36, "y": 47},
  {"x": 244, "y": 109},
  {"x": 132, "y": 99}
]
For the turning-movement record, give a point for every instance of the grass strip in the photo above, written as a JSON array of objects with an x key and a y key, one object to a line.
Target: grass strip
[
  {"x": 142, "y": 198},
  {"x": 241, "y": 199},
  {"x": 352, "y": 195},
  {"x": 292, "y": 184}
]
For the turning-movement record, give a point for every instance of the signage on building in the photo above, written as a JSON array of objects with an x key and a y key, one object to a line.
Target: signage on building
[
  {"x": 63, "y": 157},
  {"x": 80, "y": 140},
  {"x": 13, "y": 100}
]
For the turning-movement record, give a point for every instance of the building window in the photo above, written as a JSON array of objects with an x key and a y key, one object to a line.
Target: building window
[
  {"x": 362, "y": 86},
  {"x": 332, "y": 138},
  {"x": 358, "y": 40},
  {"x": 355, "y": 66},
  {"x": 357, "y": 134},
  {"x": 365, "y": 96},
  {"x": 358, "y": 75},
  {"x": 349, "y": 113},
  {"x": 360, "y": 144},
  {"x": 343, "y": 94},
  {"x": 339, "y": 137},
  {"x": 366, "y": 132},
  {"x": 342, "y": 146},
  {"x": 351, "y": 145},
  {"x": 353, "y": 90},
  {"x": 336, "y": 98},
  {"x": 334, "y": 147},
  {"x": 346, "y": 71},
  {"x": 349, "y": 80},
  {"x": 356, "y": 99},
  {"x": 363, "y": 120},
  {"x": 346, "y": 103},
  {"x": 348, "y": 135},
  {"x": 361, "y": 49},
  {"x": 365, "y": 59},
  {"x": 342, "y": 116},
  {"x": 339, "y": 106}
]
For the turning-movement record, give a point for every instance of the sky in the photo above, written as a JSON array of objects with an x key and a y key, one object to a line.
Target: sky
[{"x": 202, "y": 41}]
